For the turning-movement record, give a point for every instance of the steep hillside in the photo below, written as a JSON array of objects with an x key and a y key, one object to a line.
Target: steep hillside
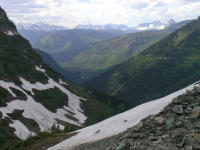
[
  {"x": 64, "y": 45},
  {"x": 32, "y": 35},
  {"x": 111, "y": 52},
  {"x": 166, "y": 66},
  {"x": 176, "y": 127},
  {"x": 54, "y": 65},
  {"x": 121, "y": 122},
  {"x": 34, "y": 98}
]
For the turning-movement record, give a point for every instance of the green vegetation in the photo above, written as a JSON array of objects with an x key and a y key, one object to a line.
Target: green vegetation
[
  {"x": 114, "y": 51},
  {"x": 64, "y": 45},
  {"x": 163, "y": 68},
  {"x": 98, "y": 106},
  {"x": 18, "y": 59},
  {"x": 16, "y": 51},
  {"x": 29, "y": 123},
  {"x": 51, "y": 98},
  {"x": 101, "y": 57},
  {"x": 19, "y": 94},
  {"x": 5, "y": 97},
  {"x": 42, "y": 141},
  {"x": 7, "y": 137}
]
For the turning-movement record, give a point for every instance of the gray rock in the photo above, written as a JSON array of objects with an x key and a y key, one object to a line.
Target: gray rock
[
  {"x": 178, "y": 109},
  {"x": 169, "y": 123},
  {"x": 195, "y": 112},
  {"x": 122, "y": 146},
  {"x": 196, "y": 123},
  {"x": 197, "y": 89},
  {"x": 188, "y": 124},
  {"x": 159, "y": 120},
  {"x": 136, "y": 135}
]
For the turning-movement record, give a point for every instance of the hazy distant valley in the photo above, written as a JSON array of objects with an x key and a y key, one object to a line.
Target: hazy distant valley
[{"x": 99, "y": 86}]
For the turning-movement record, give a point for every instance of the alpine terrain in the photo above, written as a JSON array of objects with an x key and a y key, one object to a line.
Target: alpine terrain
[
  {"x": 164, "y": 67},
  {"x": 35, "y": 99},
  {"x": 141, "y": 90}
]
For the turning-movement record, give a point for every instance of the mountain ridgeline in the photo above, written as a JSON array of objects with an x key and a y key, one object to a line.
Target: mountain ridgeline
[
  {"x": 101, "y": 57},
  {"x": 34, "y": 98},
  {"x": 86, "y": 53},
  {"x": 164, "y": 67}
]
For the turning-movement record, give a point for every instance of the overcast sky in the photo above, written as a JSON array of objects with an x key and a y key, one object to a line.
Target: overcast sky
[{"x": 72, "y": 12}]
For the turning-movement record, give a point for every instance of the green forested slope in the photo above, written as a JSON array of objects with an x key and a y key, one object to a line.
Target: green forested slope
[
  {"x": 166, "y": 66},
  {"x": 111, "y": 52}
]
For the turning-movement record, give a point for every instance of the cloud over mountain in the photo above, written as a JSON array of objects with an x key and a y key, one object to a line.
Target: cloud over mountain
[{"x": 73, "y": 12}]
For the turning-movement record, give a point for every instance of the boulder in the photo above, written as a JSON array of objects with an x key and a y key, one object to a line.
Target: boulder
[
  {"x": 195, "y": 112},
  {"x": 178, "y": 109}
]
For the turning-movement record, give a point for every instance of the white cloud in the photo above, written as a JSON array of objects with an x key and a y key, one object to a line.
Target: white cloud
[{"x": 73, "y": 12}]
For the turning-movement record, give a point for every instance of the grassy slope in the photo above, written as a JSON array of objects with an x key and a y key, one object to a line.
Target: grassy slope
[
  {"x": 64, "y": 45},
  {"x": 53, "y": 64},
  {"x": 166, "y": 66},
  {"x": 14, "y": 51},
  {"x": 105, "y": 55},
  {"x": 114, "y": 51},
  {"x": 18, "y": 59}
]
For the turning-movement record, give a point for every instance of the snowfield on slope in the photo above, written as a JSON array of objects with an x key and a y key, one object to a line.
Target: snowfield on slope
[
  {"x": 11, "y": 33},
  {"x": 118, "y": 123},
  {"x": 36, "y": 111}
]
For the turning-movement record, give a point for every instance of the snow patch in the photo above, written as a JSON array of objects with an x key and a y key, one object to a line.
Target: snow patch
[
  {"x": 37, "y": 112},
  {"x": 74, "y": 101},
  {"x": 118, "y": 123},
  {"x": 20, "y": 130},
  {"x": 62, "y": 82},
  {"x": 40, "y": 69},
  {"x": 11, "y": 33}
]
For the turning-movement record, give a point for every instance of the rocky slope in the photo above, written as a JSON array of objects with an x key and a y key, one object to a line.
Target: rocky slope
[
  {"x": 176, "y": 127},
  {"x": 116, "y": 125},
  {"x": 34, "y": 98}
]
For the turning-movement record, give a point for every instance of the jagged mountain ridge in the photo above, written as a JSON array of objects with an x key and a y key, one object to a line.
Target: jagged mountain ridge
[
  {"x": 35, "y": 98},
  {"x": 39, "y": 26},
  {"x": 155, "y": 25}
]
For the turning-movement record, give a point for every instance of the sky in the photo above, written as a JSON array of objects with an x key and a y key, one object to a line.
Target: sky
[{"x": 70, "y": 13}]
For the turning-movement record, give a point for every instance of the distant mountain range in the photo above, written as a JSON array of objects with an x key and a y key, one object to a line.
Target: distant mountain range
[
  {"x": 102, "y": 27},
  {"x": 39, "y": 26},
  {"x": 155, "y": 25},
  {"x": 164, "y": 67}
]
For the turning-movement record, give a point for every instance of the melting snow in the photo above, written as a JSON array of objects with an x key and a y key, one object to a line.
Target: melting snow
[
  {"x": 20, "y": 130},
  {"x": 62, "y": 82},
  {"x": 118, "y": 123},
  {"x": 38, "y": 112},
  {"x": 40, "y": 69},
  {"x": 11, "y": 33}
]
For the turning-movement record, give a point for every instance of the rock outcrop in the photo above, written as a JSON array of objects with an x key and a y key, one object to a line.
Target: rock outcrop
[
  {"x": 177, "y": 127},
  {"x": 5, "y": 24}
]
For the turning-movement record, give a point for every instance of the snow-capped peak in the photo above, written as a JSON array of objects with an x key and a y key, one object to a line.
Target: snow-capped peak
[
  {"x": 155, "y": 25},
  {"x": 39, "y": 26}
]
